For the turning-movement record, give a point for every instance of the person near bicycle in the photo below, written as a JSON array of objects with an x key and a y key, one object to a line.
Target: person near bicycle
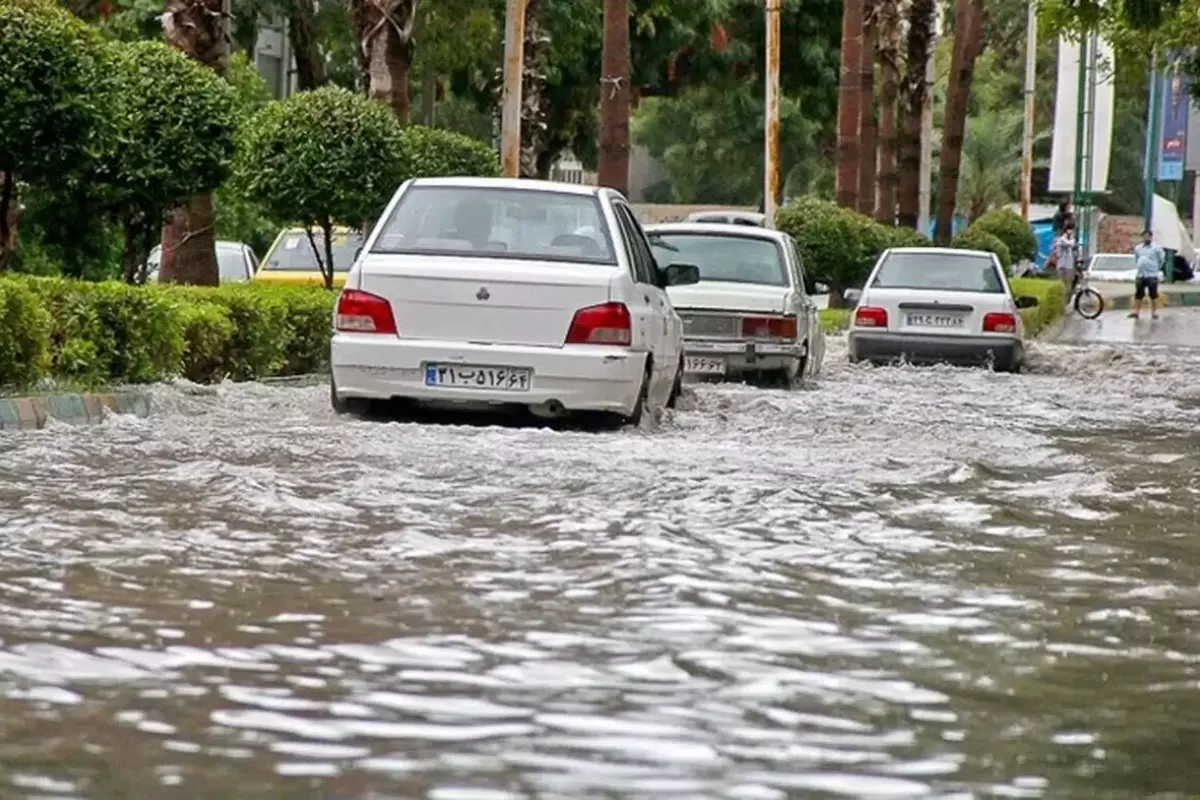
[
  {"x": 1064, "y": 252},
  {"x": 1150, "y": 260}
]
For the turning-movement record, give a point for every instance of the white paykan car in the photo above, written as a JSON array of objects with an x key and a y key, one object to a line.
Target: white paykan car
[
  {"x": 931, "y": 304},
  {"x": 751, "y": 315},
  {"x": 487, "y": 293}
]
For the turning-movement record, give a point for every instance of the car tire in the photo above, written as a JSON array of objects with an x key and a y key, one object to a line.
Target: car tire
[
  {"x": 677, "y": 386},
  {"x": 346, "y": 405},
  {"x": 1010, "y": 363}
]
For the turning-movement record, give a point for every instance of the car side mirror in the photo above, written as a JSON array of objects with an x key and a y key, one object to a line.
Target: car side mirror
[
  {"x": 1027, "y": 302},
  {"x": 678, "y": 275},
  {"x": 820, "y": 288},
  {"x": 851, "y": 297}
]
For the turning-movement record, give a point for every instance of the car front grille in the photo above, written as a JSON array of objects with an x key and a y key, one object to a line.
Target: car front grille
[{"x": 711, "y": 325}]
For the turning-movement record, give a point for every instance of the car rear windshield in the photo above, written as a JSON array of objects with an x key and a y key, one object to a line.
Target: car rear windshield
[
  {"x": 231, "y": 262},
  {"x": 732, "y": 259},
  {"x": 1114, "y": 263},
  {"x": 946, "y": 272},
  {"x": 497, "y": 223},
  {"x": 294, "y": 253}
]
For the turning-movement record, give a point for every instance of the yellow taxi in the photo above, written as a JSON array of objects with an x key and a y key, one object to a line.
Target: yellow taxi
[{"x": 291, "y": 259}]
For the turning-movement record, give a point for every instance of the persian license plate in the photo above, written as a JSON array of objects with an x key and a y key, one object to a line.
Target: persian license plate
[
  {"x": 703, "y": 365},
  {"x": 935, "y": 320},
  {"x": 471, "y": 376}
]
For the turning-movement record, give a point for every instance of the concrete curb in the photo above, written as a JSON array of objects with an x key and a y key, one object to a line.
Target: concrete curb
[
  {"x": 1123, "y": 302},
  {"x": 32, "y": 413}
]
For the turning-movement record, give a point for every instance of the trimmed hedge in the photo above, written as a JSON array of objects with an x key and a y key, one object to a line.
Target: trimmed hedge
[
  {"x": 976, "y": 239},
  {"x": 1010, "y": 228},
  {"x": 94, "y": 334},
  {"x": 1052, "y": 301}
]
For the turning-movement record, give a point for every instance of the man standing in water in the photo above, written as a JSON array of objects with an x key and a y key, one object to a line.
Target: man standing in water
[{"x": 1150, "y": 260}]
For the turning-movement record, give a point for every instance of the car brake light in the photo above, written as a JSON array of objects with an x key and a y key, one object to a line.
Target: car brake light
[
  {"x": 769, "y": 327},
  {"x": 362, "y": 312},
  {"x": 870, "y": 317},
  {"x": 999, "y": 322},
  {"x": 608, "y": 323}
]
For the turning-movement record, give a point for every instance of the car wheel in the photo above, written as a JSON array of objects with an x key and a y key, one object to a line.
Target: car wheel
[
  {"x": 1010, "y": 363},
  {"x": 677, "y": 387},
  {"x": 346, "y": 405}
]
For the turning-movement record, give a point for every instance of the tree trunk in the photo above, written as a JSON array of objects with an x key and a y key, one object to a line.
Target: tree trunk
[
  {"x": 306, "y": 48},
  {"x": 968, "y": 16},
  {"x": 849, "y": 105},
  {"x": 889, "y": 59},
  {"x": 384, "y": 29},
  {"x": 533, "y": 83},
  {"x": 921, "y": 20},
  {"x": 429, "y": 93},
  {"x": 189, "y": 255},
  {"x": 10, "y": 214},
  {"x": 867, "y": 122},
  {"x": 613, "y": 170}
]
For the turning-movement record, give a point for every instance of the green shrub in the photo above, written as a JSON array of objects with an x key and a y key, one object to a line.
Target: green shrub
[
  {"x": 838, "y": 245},
  {"x": 94, "y": 334},
  {"x": 1010, "y": 228},
  {"x": 24, "y": 335},
  {"x": 906, "y": 237},
  {"x": 436, "y": 152},
  {"x": 1051, "y": 296},
  {"x": 975, "y": 239}
]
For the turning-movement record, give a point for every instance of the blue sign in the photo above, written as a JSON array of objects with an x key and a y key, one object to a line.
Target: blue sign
[{"x": 1176, "y": 106}]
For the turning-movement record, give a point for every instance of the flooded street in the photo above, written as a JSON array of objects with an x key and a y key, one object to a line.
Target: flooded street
[{"x": 895, "y": 583}]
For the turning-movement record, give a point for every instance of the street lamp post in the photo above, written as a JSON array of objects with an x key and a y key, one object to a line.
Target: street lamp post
[
  {"x": 771, "y": 123},
  {"x": 1027, "y": 137}
]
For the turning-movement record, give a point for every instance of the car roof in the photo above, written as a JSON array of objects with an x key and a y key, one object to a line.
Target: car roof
[
  {"x": 511, "y": 183},
  {"x": 941, "y": 251},
  {"x": 740, "y": 213},
  {"x": 338, "y": 230},
  {"x": 718, "y": 228}
]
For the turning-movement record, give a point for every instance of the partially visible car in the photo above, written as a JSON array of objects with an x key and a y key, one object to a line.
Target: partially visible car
[
  {"x": 1115, "y": 267},
  {"x": 751, "y": 315},
  {"x": 493, "y": 293},
  {"x": 733, "y": 216},
  {"x": 931, "y": 304},
  {"x": 236, "y": 262},
  {"x": 291, "y": 259}
]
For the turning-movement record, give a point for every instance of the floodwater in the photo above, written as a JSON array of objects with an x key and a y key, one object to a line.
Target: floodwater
[{"x": 895, "y": 583}]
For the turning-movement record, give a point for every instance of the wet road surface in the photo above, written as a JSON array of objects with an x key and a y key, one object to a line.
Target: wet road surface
[
  {"x": 1175, "y": 328},
  {"x": 898, "y": 582}
]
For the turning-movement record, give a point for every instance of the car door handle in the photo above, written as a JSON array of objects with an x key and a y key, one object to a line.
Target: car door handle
[{"x": 646, "y": 297}]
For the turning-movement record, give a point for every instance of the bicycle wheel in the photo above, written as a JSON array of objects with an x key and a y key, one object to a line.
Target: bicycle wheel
[{"x": 1088, "y": 303}]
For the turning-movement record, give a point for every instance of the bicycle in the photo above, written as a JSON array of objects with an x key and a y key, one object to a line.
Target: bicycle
[{"x": 1086, "y": 301}]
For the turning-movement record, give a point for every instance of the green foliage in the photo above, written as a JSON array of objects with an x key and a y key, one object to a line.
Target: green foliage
[
  {"x": 92, "y": 334},
  {"x": 905, "y": 237},
  {"x": 50, "y": 111},
  {"x": 1008, "y": 226},
  {"x": 250, "y": 89},
  {"x": 24, "y": 336},
  {"x": 835, "y": 320},
  {"x": 839, "y": 246},
  {"x": 976, "y": 239},
  {"x": 321, "y": 158},
  {"x": 1052, "y": 298},
  {"x": 435, "y": 152}
]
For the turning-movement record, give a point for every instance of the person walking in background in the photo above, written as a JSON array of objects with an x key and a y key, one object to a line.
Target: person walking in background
[
  {"x": 1063, "y": 217},
  {"x": 1151, "y": 260},
  {"x": 1063, "y": 253}
]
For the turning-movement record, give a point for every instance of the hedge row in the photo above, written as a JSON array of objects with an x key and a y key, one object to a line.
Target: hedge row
[
  {"x": 93, "y": 334},
  {"x": 1052, "y": 301}
]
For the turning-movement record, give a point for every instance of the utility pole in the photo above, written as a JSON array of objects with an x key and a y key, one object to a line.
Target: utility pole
[
  {"x": 771, "y": 126},
  {"x": 1150, "y": 174},
  {"x": 514, "y": 67},
  {"x": 1027, "y": 136},
  {"x": 925, "y": 191}
]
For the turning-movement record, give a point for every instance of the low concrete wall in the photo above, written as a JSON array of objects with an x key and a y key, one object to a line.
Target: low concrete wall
[
  {"x": 1119, "y": 296},
  {"x": 32, "y": 413}
]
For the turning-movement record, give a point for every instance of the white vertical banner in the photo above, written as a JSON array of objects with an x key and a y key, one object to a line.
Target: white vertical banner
[{"x": 1066, "y": 118}]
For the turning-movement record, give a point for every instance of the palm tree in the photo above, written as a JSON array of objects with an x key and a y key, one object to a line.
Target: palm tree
[
  {"x": 384, "y": 29},
  {"x": 991, "y": 161},
  {"x": 921, "y": 21},
  {"x": 868, "y": 127},
  {"x": 889, "y": 71},
  {"x": 968, "y": 17},
  {"x": 849, "y": 104},
  {"x": 613, "y": 169}
]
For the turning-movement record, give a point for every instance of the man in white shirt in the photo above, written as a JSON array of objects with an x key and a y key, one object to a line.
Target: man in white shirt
[{"x": 1151, "y": 259}]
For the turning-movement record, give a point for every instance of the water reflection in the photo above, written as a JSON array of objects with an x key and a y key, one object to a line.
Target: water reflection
[{"x": 904, "y": 583}]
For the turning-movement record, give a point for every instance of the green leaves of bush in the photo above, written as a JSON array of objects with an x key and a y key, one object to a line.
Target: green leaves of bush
[
  {"x": 976, "y": 239},
  {"x": 94, "y": 334},
  {"x": 1010, "y": 228}
]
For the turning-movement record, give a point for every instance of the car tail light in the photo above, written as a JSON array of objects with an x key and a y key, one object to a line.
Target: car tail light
[
  {"x": 362, "y": 312},
  {"x": 870, "y": 317},
  {"x": 608, "y": 323},
  {"x": 999, "y": 322},
  {"x": 769, "y": 327}
]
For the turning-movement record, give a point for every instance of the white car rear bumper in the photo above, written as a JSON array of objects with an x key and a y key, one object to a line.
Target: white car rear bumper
[
  {"x": 746, "y": 356},
  {"x": 579, "y": 377}
]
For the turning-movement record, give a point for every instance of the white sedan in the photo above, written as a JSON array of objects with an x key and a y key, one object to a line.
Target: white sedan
[
  {"x": 489, "y": 293},
  {"x": 751, "y": 315},
  {"x": 930, "y": 304}
]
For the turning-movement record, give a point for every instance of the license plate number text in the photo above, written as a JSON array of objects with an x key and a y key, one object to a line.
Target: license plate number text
[
  {"x": 469, "y": 376},
  {"x": 703, "y": 365}
]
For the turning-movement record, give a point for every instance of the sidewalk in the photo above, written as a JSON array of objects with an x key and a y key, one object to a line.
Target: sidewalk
[
  {"x": 1119, "y": 296},
  {"x": 1174, "y": 328}
]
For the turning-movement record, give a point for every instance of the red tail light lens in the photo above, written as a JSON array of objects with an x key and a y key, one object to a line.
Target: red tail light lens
[
  {"x": 999, "y": 322},
  {"x": 609, "y": 323},
  {"x": 870, "y": 317},
  {"x": 769, "y": 327},
  {"x": 362, "y": 312}
]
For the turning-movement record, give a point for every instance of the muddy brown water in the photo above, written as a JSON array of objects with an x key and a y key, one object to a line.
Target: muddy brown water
[{"x": 894, "y": 583}]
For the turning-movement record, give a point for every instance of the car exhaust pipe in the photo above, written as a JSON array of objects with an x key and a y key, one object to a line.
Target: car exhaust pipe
[{"x": 551, "y": 409}]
